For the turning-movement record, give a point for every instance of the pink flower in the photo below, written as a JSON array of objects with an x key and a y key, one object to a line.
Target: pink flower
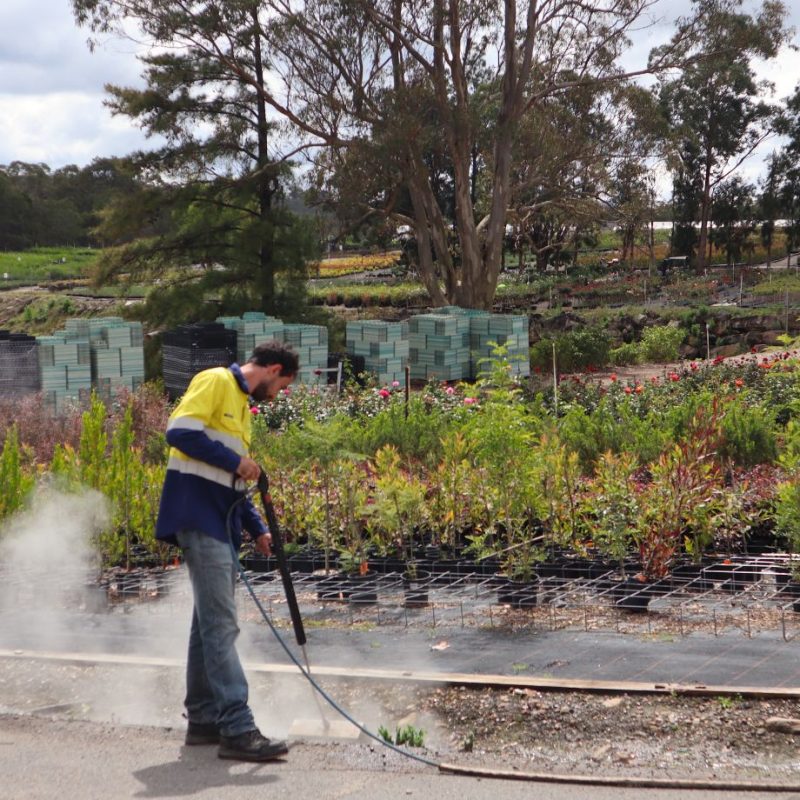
[
  {"x": 287, "y": 391},
  {"x": 468, "y": 401},
  {"x": 654, "y": 380},
  {"x": 384, "y": 393},
  {"x": 628, "y": 390},
  {"x": 395, "y": 384},
  {"x": 694, "y": 366},
  {"x": 254, "y": 410},
  {"x": 673, "y": 376},
  {"x": 450, "y": 390}
]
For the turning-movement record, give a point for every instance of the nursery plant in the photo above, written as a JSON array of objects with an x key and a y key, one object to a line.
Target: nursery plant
[
  {"x": 611, "y": 507},
  {"x": 680, "y": 497},
  {"x": 350, "y": 509},
  {"x": 787, "y": 499},
  {"x": 17, "y": 482},
  {"x": 453, "y": 506},
  {"x": 398, "y": 507}
]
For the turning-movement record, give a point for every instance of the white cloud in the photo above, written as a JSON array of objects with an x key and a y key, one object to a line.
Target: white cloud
[
  {"x": 62, "y": 128},
  {"x": 52, "y": 88}
]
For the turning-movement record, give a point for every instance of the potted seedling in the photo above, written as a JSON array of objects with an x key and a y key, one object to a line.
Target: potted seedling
[
  {"x": 681, "y": 492},
  {"x": 397, "y": 511},
  {"x": 787, "y": 511}
]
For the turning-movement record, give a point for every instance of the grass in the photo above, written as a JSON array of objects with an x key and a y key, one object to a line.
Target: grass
[
  {"x": 780, "y": 281},
  {"x": 47, "y": 263},
  {"x": 109, "y": 291}
]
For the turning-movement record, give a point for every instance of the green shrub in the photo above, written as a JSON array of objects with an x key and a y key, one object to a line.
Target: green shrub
[
  {"x": 15, "y": 482},
  {"x": 661, "y": 343},
  {"x": 749, "y": 435},
  {"x": 575, "y": 350},
  {"x": 625, "y": 354}
]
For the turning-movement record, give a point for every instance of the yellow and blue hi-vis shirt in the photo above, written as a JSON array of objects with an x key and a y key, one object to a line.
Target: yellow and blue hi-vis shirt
[{"x": 208, "y": 433}]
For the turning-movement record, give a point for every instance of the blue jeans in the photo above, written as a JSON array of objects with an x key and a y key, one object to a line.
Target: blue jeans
[{"x": 216, "y": 687}]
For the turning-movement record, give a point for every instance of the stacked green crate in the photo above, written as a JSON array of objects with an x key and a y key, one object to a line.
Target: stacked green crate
[
  {"x": 117, "y": 355},
  {"x": 65, "y": 369},
  {"x": 510, "y": 331},
  {"x": 310, "y": 342},
  {"x": 252, "y": 328},
  {"x": 383, "y": 345},
  {"x": 439, "y": 347}
]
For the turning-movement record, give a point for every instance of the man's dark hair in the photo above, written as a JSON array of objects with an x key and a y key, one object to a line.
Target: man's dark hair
[{"x": 275, "y": 352}]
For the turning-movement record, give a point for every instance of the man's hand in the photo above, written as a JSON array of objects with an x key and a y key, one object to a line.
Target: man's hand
[
  {"x": 264, "y": 544},
  {"x": 248, "y": 469}
]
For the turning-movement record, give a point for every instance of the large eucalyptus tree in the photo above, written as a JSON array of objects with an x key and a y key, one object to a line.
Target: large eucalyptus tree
[{"x": 375, "y": 87}]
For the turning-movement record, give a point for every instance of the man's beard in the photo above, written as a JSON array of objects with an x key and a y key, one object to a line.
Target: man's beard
[{"x": 262, "y": 392}]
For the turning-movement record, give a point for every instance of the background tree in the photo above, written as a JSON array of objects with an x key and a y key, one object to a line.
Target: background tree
[
  {"x": 45, "y": 207},
  {"x": 207, "y": 219},
  {"x": 714, "y": 106},
  {"x": 15, "y": 213},
  {"x": 769, "y": 206},
  {"x": 411, "y": 75},
  {"x": 733, "y": 214},
  {"x": 787, "y": 171}
]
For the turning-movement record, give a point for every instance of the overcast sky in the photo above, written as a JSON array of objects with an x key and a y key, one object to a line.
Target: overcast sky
[{"x": 51, "y": 85}]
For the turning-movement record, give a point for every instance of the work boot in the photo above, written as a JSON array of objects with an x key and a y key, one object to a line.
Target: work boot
[
  {"x": 251, "y": 746},
  {"x": 202, "y": 733}
]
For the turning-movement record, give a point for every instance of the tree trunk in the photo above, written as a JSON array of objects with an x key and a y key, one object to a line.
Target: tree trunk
[
  {"x": 705, "y": 207},
  {"x": 266, "y": 190}
]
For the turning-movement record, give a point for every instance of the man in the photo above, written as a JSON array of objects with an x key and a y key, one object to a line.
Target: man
[{"x": 203, "y": 510}]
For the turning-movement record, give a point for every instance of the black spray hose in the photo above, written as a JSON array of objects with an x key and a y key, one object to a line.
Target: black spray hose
[
  {"x": 304, "y": 669},
  {"x": 280, "y": 557}
]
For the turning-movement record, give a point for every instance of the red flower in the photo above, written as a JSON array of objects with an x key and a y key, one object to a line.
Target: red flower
[
  {"x": 384, "y": 393},
  {"x": 739, "y": 383},
  {"x": 673, "y": 376},
  {"x": 639, "y": 388},
  {"x": 254, "y": 410},
  {"x": 613, "y": 377},
  {"x": 628, "y": 390}
]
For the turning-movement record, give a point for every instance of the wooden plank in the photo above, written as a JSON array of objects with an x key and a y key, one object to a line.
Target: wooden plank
[{"x": 424, "y": 676}]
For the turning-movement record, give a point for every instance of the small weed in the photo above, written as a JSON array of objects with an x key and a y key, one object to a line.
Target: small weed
[
  {"x": 407, "y": 735},
  {"x": 468, "y": 742},
  {"x": 727, "y": 702},
  {"x": 520, "y": 667},
  {"x": 383, "y": 732}
]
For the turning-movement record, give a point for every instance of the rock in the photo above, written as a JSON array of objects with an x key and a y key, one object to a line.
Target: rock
[
  {"x": 612, "y": 702},
  {"x": 783, "y": 725},
  {"x": 599, "y": 753}
]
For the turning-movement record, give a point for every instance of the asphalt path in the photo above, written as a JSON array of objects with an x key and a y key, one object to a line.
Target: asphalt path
[{"x": 41, "y": 759}]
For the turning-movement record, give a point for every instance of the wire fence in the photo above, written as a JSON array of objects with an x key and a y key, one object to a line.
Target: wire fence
[{"x": 746, "y": 596}]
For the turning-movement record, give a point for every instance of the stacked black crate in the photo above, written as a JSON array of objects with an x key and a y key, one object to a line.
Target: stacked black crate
[
  {"x": 19, "y": 364},
  {"x": 189, "y": 349}
]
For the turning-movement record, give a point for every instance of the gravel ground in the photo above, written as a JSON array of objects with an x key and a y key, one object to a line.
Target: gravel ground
[{"x": 663, "y": 736}]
